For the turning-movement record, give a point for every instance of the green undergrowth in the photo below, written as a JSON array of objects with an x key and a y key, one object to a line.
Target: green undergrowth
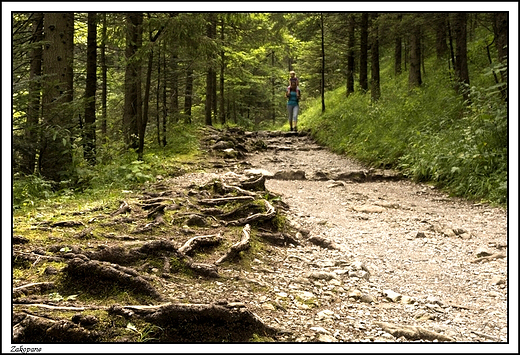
[
  {"x": 428, "y": 133},
  {"x": 117, "y": 173}
]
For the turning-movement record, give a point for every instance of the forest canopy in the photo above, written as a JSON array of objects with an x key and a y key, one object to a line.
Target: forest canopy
[{"x": 90, "y": 86}]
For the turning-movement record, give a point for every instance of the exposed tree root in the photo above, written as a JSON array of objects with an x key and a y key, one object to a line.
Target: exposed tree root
[
  {"x": 200, "y": 242},
  {"x": 96, "y": 270},
  {"x": 31, "y": 288},
  {"x": 278, "y": 238},
  {"x": 224, "y": 200},
  {"x": 123, "y": 208},
  {"x": 257, "y": 217},
  {"x": 236, "y": 248},
  {"x": 34, "y": 329}
]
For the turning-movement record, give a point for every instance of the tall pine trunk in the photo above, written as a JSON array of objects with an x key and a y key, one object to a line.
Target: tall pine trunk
[
  {"x": 350, "y": 54},
  {"x": 33, "y": 109},
  {"x": 188, "y": 92},
  {"x": 55, "y": 161},
  {"x": 363, "y": 54},
  {"x": 414, "y": 77},
  {"x": 461, "y": 58},
  {"x": 398, "y": 47},
  {"x": 90, "y": 91},
  {"x": 322, "y": 64},
  {"x": 104, "y": 69},
  {"x": 132, "y": 104},
  {"x": 375, "y": 88}
]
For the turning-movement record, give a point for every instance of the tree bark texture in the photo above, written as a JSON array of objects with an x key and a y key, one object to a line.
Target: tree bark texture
[
  {"x": 56, "y": 151},
  {"x": 363, "y": 55},
  {"x": 461, "y": 57},
  {"x": 132, "y": 80},
  {"x": 90, "y": 91},
  {"x": 375, "y": 88},
  {"x": 414, "y": 77},
  {"x": 33, "y": 109},
  {"x": 350, "y": 54}
]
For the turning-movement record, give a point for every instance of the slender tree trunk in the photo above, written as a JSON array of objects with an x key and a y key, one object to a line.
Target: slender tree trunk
[
  {"x": 398, "y": 45},
  {"x": 188, "y": 93},
  {"x": 90, "y": 91},
  {"x": 350, "y": 54},
  {"x": 322, "y": 64},
  {"x": 164, "y": 106},
  {"x": 210, "y": 73},
  {"x": 55, "y": 161},
  {"x": 441, "y": 47},
  {"x": 363, "y": 55},
  {"x": 375, "y": 88},
  {"x": 158, "y": 97},
  {"x": 174, "y": 84},
  {"x": 414, "y": 77},
  {"x": 132, "y": 81},
  {"x": 500, "y": 29},
  {"x": 33, "y": 109},
  {"x": 104, "y": 69},
  {"x": 222, "y": 112},
  {"x": 461, "y": 59}
]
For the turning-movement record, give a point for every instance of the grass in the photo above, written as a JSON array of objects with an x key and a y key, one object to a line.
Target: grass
[{"x": 428, "y": 133}]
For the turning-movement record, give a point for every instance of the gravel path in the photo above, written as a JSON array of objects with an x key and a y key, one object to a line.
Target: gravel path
[{"x": 401, "y": 254}]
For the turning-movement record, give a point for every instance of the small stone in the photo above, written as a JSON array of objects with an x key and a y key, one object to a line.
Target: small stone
[
  {"x": 326, "y": 314},
  {"x": 497, "y": 280},
  {"x": 356, "y": 294},
  {"x": 392, "y": 296},
  {"x": 268, "y": 306},
  {"x": 493, "y": 294},
  {"x": 482, "y": 252},
  {"x": 407, "y": 300},
  {"x": 360, "y": 274},
  {"x": 448, "y": 232},
  {"x": 320, "y": 330},
  {"x": 420, "y": 235},
  {"x": 434, "y": 300},
  {"x": 367, "y": 298},
  {"x": 50, "y": 271},
  {"x": 322, "y": 275}
]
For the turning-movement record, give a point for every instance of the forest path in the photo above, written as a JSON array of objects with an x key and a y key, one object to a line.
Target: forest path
[
  {"x": 270, "y": 236},
  {"x": 424, "y": 251}
]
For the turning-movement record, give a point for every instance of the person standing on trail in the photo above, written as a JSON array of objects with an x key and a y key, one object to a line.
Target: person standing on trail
[{"x": 293, "y": 97}]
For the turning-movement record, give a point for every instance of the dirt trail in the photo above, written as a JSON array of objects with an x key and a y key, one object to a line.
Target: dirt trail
[{"x": 350, "y": 255}]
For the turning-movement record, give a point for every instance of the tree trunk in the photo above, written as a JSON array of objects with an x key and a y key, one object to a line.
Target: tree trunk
[
  {"x": 441, "y": 46},
  {"x": 363, "y": 55},
  {"x": 89, "y": 147},
  {"x": 222, "y": 112},
  {"x": 132, "y": 80},
  {"x": 375, "y": 89},
  {"x": 398, "y": 57},
  {"x": 188, "y": 93},
  {"x": 414, "y": 78},
  {"x": 33, "y": 109},
  {"x": 56, "y": 151},
  {"x": 210, "y": 80},
  {"x": 350, "y": 54},
  {"x": 322, "y": 64},
  {"x": 461, "y": 59},
  {"x": 103, "y": 64},
  {"x": 500, "y": 28}
]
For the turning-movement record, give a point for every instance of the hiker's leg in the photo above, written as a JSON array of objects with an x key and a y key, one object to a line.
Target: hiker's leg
[
  {"x": 295, "y": 117},
  {"x": 290, "y": 113}
]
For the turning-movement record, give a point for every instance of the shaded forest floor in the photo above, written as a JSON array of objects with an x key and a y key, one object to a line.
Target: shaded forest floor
[{"x": 272, "y": 239}]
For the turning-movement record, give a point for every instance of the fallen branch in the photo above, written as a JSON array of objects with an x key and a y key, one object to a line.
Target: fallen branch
[
  {"x": 490, "y": 337},
  {"x": 236, "y": 248}
]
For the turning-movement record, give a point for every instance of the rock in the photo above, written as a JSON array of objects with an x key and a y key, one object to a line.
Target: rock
[
  {"x": 196, "y": 220},
  {"x": 498, "y": 280},
  {"x": 289, "y": 175},
  {"x": 325, "y": 314},
  {"x": 392, "y": 296},
  {"x": 368, "y": 209},
  {"x": 257, "y": 172},
  {"x": 322, "y": 275},
  {"x": 360, "y": 274},
  {"x": 419, "y": 234},
  {"x": 493, "y": 294},
  {"x": 481, "y": 252},
  {"x": 407, "y": 300},
  {"x": 367, "y": 299},
  {"x": 320, "y": 330},
  {"x": 448, "y": 232},
  {"x": 50, "y": 271},
  {"x": 222, "y": 145},
  {"x": 434, "y": 300},
  {"x": 356, "y": 294}
]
